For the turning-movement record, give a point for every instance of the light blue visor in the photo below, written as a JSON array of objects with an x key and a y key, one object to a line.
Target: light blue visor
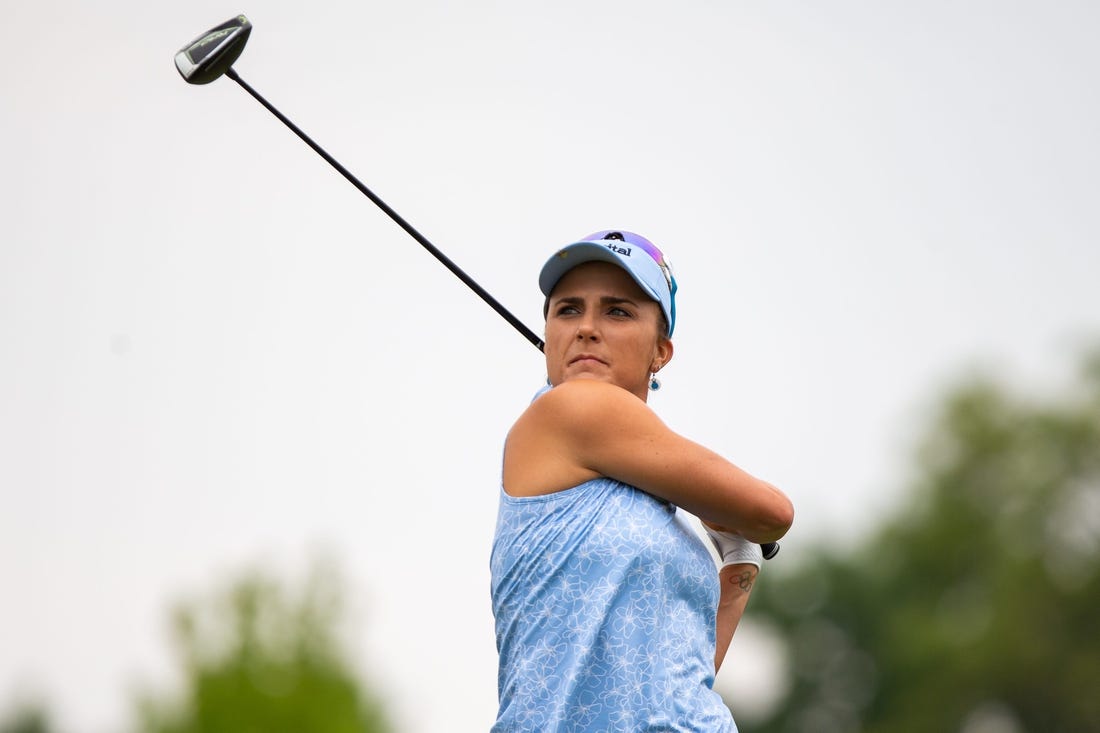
[{"x": 646, "y": 264}]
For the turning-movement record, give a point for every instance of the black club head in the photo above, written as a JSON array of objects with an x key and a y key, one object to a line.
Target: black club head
[{"x": 211, "y": 54}]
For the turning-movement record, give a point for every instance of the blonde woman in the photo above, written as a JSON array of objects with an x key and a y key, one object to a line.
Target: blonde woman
[{"x": 609, "y": 613}]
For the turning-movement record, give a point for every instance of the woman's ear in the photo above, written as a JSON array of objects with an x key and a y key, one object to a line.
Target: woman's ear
[{"x": 663, "y": 355}]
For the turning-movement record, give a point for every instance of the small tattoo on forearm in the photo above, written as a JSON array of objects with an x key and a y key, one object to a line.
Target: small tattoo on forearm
[{"x": 744, "y": 580}]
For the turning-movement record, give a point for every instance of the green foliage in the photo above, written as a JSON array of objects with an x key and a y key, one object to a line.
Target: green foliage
[
  {"x": 257, "y": 659},
  {"x": 26, "y": 717},
  {"x": 975, "y": 607}
]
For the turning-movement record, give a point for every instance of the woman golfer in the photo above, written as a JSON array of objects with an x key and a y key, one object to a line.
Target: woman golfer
[{"x": 609, "y": 613}]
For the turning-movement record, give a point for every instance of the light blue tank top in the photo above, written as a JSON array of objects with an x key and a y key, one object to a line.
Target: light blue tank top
[{"x": 605, "y": 604}]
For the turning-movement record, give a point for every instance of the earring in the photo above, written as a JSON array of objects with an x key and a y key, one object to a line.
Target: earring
[{"x": 654, "y": 383}]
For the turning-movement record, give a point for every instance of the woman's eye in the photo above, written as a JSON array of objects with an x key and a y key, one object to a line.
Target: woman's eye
[
  {"x": 621, "y": 312},
  {"x": 566, "y": 310}
]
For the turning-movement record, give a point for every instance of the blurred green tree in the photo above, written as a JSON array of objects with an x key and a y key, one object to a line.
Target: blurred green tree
[
  {"x": 257, "y": 658},
  {"x": 974, "y": 608},
  {"x": 26, "y": 717}
]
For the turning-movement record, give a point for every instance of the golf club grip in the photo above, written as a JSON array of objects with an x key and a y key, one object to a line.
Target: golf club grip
[
  {"x": 769, "y": 549},
  {"x": 435, "y": 252}
]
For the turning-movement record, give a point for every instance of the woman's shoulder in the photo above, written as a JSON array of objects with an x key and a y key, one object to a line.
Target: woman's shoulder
[
  {"x": 543, "y": 449},
  {"x": 575, "y": 402}
]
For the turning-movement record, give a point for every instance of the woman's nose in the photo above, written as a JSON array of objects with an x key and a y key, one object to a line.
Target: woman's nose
[{"x": 586, "y": 329}]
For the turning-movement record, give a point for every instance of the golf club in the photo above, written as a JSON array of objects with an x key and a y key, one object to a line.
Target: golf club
[{"x": 212, "y": 55}]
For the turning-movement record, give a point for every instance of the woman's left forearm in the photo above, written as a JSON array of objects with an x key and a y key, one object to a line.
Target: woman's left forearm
[{"x": 736, "y": 583}]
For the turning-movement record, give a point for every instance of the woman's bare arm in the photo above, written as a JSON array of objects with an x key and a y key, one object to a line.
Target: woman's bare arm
[
  {"x": 736, "y": 582},
  {"x": 586, "y": 428}
]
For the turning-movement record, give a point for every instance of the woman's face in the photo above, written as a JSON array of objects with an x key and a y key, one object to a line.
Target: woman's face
[{"x": 600, "y": 325}]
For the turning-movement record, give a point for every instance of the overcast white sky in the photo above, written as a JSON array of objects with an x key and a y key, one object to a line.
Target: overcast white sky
[{"x": 214, "y": 351}]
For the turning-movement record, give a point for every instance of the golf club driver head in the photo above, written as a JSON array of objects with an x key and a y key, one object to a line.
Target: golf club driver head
[{"x": 211, "y": 54}]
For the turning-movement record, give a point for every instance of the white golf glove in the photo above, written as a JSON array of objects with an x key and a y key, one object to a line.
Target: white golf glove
[{"x": 735, "y": 549}]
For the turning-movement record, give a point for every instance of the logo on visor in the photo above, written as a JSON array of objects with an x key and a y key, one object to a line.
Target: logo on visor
[{"x": 614, "y": 247}]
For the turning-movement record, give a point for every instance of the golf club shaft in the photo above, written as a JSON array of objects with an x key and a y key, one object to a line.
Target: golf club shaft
[
  {"x": 769, "y": 549},
  {"x": 459, "y": 273}
]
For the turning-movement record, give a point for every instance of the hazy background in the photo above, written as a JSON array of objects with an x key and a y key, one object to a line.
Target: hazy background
[{"x": 215, "y": 352}]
